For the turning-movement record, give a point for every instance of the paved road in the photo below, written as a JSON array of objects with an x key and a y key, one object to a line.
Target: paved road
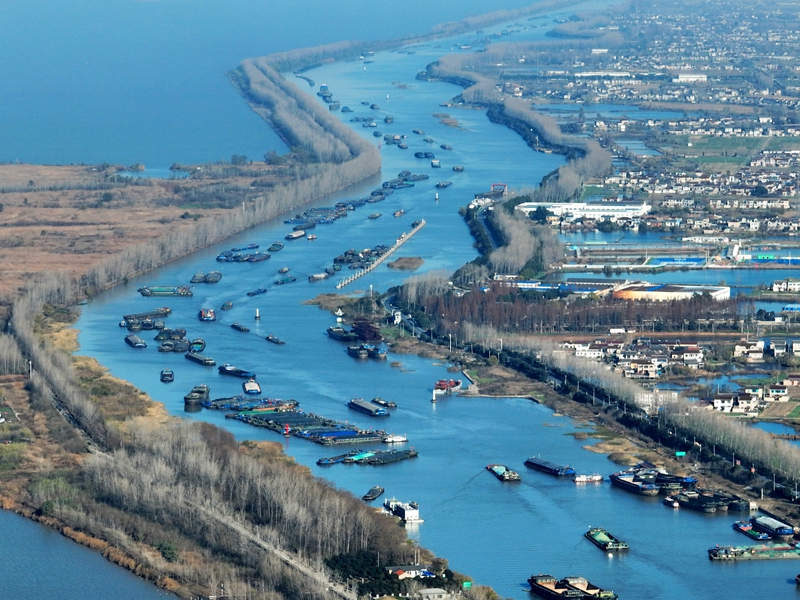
[{"x": 287, "y": 557}]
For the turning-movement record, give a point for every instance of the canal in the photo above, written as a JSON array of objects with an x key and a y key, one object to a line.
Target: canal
[{"x": 498, "y": 533}]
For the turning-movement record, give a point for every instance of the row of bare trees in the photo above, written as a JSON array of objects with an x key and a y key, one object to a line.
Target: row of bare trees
[
  {"x": 524, "y": 244},
  {"x": 11, "y": 360},
  {"x": 508, "y": 308},
  {"x": 709, "y": 428},
  {"x": 164, "y": 474},
  {"x": 594, "y": 161}
]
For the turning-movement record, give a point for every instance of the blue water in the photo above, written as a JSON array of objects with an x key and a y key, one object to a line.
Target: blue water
[
  {"x": 122, "y": 82},
  {"x": 608, "y": 112},
  {"x": 498, "y": 533},
  {"x": 40, "y": 563}
]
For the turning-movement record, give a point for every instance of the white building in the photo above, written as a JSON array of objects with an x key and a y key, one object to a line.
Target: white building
[{"x": 569, "y": 211}]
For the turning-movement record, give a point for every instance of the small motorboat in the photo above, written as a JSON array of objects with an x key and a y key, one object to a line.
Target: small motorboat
[
  {"x": 283, "y": 270},
  {"x": 167, "y": 375},
  {"x": 394, "y": 439},
  {"x": 274, "y": 340},
  {"x": 227, "y": 306}
]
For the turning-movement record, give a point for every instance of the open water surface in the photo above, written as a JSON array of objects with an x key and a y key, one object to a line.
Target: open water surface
[
  {"x": 498, "y": 533},
  {"x": 40, "y": 563}
]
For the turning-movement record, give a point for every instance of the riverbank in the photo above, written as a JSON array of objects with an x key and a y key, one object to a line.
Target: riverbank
[{"x": 622, "y": 445}]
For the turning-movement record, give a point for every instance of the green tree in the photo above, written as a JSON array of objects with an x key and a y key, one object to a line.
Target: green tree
[
  {"x": 238, "y": 159},
  {"x": 540, "y": 215}
]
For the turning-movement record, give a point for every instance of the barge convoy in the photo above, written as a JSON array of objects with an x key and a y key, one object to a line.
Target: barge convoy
[{"x": 547, "y": 586}]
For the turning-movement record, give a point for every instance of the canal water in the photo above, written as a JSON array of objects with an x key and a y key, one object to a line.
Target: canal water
[
  {"x": 40, "y": 563},
  {"x": 498, "y": 533}
]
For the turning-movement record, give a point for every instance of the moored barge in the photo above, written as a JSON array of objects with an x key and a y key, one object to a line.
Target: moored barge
[
  {"x": 777, "y": 529},
  {"x": 746, "y": 528},
  {"x": 634, "y": 483},
  {"x": 762, "y": 552},
  {"x": 340, "y": 334},
  {"x": 548, "y": 467}
]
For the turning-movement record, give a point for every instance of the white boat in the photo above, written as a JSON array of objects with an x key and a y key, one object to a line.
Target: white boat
[
  {"x": 588, "y": 478},
  {"x": 251, "y": 387},
  {"x": 395, "y": 439}
]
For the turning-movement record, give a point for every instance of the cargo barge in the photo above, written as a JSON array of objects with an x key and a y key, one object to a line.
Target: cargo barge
[
  {"x": 227, "y": 369},
  {"x": 591, "y": 590},
  {"x": 199, "y": 358},
  {"x": 773, "y": 527},
  {"x": 134, "y": 341},
  {"x": 251, "y": 386},
  {"x": 634, "y": 483},
  {"x": 604, "y": 540},
  {"x": 367, "y": 408},
  {"x": 150, "y": 314},
  {"x": 243, "y": 404},
  {"x": 746, "y": 528},
  {"x": 372, "y": 494},
  {"x": 332, "y": 460},
  {"x": 547, "y": 586},
  {"x": 315, "y": 428},
  {"x": 387, "y": 457},
  {"x": 548, "y": 467},
  {"x": 197, "y": 396},
  {"x": 166, "y": 290},
  {"x": 340, "y": 334},
  {"x": 503, "y": 473},
  {"x": 762, "y": 552}
]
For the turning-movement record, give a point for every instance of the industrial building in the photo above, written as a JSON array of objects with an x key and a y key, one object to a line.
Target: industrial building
[
  {"x": 642, "y": 290},
  {"x": 569, "y": 211}
]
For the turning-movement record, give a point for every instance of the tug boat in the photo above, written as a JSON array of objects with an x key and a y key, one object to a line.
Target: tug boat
[{"x": 207, "y": 314}]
